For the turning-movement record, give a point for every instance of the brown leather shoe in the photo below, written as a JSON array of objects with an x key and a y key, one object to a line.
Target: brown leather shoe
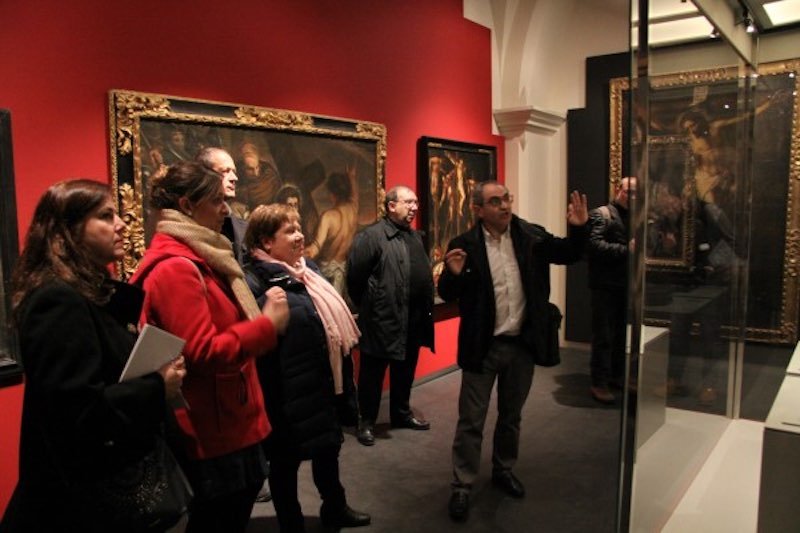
[
  {"x": 708, "y": 396},
  {"x": 602, "y": 395}
]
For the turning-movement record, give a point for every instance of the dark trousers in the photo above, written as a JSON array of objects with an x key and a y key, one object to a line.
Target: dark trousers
[
  {"x": 608, "y": 335},
  {"x": 227, "y": 513},
  {"x": 510, "y": 365},
  {"x": 283, "y": 485},
  {"x": 401, "y": 377}
]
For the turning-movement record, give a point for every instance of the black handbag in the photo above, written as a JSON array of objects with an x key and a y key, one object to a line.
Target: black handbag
[
  {"x": 551, "y": 355},
  {"x": 151, "y": 494}
]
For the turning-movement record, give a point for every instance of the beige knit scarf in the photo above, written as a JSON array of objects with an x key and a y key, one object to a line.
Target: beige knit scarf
[{"x": 215, "y": 249}]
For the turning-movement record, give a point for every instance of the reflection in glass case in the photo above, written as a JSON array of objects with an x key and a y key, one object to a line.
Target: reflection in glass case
[
  {"x": 10, "y": 369},
  {"x": 693, "y": 126}
]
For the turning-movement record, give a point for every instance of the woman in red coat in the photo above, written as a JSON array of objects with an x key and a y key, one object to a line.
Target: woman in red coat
[{"x": 195, "y": 289}]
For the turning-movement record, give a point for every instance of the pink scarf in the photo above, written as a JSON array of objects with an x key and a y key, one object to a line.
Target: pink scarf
[{"x": 340, "y": 328}]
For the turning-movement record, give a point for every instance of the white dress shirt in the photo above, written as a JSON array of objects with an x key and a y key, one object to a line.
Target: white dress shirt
[{"x": 509, "y": 298}]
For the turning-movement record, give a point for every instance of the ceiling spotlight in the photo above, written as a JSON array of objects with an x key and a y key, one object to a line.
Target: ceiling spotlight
[{"x": 749, "y": 27}]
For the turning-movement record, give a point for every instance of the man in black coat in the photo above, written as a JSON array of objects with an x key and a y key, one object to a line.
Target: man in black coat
[
  {"x": 608, "y": 250},
  {"x": 389, "y": 279},
  {"x": 499, "y": 272}
]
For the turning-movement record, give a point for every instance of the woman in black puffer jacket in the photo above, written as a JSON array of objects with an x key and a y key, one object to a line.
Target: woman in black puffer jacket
[{"x": 301, "y": 378}]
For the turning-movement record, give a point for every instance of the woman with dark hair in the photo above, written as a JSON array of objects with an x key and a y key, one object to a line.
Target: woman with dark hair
[
  {"x": 195, "y": 289},
  {"x": 301, "y": 380},
  {"x": 77, "y": 327}
]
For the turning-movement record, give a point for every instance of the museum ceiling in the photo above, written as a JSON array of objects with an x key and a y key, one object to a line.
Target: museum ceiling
[{"x": 680, "y": 21}]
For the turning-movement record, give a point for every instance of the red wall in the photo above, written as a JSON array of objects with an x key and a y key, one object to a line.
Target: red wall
[{"x": 416, "y": 66}]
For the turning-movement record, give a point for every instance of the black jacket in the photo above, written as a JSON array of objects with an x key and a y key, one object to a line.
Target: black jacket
[
  {"x": 78, "y": 421},
  {"x": 378, "y": 271},
  {"x": 234, "y": 229},
  {"x": 607, "y": 249},
  {"x": 296, "y": 379},
  {"x": 535, "y": 249}
]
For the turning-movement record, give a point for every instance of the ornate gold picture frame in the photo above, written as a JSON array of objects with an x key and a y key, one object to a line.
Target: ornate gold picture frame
[
  {"x": 275, "y": 150},
  {"x": 698, "y": 107}
]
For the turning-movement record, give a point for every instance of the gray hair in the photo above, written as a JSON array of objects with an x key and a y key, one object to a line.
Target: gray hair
[{"x": 206, "y": 156}]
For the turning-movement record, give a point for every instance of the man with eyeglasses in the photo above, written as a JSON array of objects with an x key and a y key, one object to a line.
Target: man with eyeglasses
[
  {"x": 389, "y": 279},
  {"x": 499, "y": 273}
]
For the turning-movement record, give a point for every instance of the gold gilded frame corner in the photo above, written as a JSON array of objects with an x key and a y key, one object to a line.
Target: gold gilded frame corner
[{"x": 127, "y": 109}]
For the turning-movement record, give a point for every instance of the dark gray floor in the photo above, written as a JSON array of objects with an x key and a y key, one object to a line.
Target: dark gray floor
[{"x": 568, "y": 463}]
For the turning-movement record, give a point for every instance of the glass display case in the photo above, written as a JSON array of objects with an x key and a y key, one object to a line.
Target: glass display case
[{"x": 710, "y": 128}]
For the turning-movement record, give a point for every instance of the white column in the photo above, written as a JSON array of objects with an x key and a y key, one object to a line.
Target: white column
[
  {"x": 533, "y": 169},
  {"x": 536, "y": 174}
]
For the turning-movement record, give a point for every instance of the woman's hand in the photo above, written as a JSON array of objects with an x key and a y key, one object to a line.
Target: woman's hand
[
  {"x": 277, "y": 309},
  {"x": 173, "y": 373}
]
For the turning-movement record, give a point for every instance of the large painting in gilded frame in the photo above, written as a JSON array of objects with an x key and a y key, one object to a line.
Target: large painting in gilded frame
[
  {"x": 277, "y": 152},
  {"x": 447, "y": 172},
  {"x": 699, "y": 111}
]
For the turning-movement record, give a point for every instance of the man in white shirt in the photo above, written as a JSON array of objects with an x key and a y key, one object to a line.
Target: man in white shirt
[{"x": 498, "y": 272}]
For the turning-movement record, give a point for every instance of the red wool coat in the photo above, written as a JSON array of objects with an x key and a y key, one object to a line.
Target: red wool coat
[{"x": 226, "y": 407}]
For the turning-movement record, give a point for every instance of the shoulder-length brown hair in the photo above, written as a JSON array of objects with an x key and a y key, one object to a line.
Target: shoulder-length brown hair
[{"x": 53, "y": 248}]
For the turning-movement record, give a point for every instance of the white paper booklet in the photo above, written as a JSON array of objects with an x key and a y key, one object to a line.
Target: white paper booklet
[{"x": 153, "y": 349}]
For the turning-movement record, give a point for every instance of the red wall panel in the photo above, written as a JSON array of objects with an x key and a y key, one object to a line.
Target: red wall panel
[
  {"x": 11, "y": 402},
  {"x": 416, "y": 66}
]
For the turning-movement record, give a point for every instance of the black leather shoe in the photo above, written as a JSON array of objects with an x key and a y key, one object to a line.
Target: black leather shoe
[
  {"x": 343, "y": 517},
  {"x": 459, "y": 505},
  {"x": 508, "y": 483},
  {"x": 364, "y": 434},
  {"x": 412, "y": 422}
]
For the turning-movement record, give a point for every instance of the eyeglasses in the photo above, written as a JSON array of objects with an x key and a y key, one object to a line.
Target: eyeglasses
[
  {"x": 408, "y": 202},
  {"x": 497, "y": 201}
]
